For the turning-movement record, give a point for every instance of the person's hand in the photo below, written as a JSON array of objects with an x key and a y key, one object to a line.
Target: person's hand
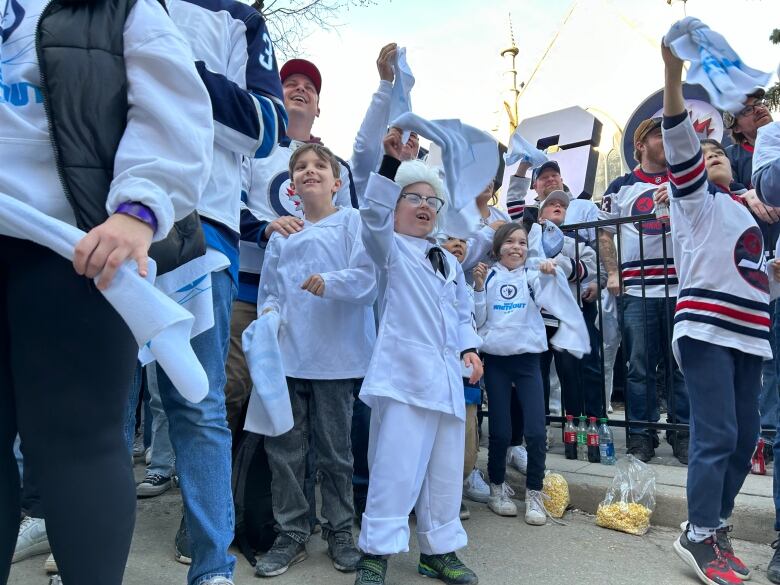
[
  {"x": 471, "y": 359},
  {"x": 284, "y": 226},
  {"x": 590, "y": 292},
  {"x": 393, "y": 143},
  {"x": 761, "y": 211},
  {"x": 106, "y": 247},
  {"x": 672, "y": 63},
  {"x": 386, "y": 61},
  {"x": 522, "y": 168},
  {"x": 315, "y": 284},
  {"x": 497, "y": 224},
  {"x": 661, "y": 194},
  {"x": 775, "y": 265},
  {"x": 479, "y": 273},
  {"x": 613, "y": 283},
  {"x": 547, "y": 267}
]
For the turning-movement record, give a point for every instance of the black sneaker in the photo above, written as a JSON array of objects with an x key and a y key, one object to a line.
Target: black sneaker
[
  {"x": 773, "y": 569},
  {"x": 641, "y": 447},
  {"x": 284, "y": 553},
  {"x": 342, "y": 551},
  {"x": 707, "y": 560},
  {"x": 465, "y": 513},
  {"x": 152, "y": 485},
  {"x": 680, "y": 448},
  {"x": 448, "y": 568},
  {"x": 182, "y": 545},
  {"x": 371, "y": 570},
  {"x": 724, "y": 543}
]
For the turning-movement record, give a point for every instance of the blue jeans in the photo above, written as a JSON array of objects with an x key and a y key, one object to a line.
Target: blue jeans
[
  {"x": 202, "y": 442},
  {"x": 770, "y": 378},
  {"x": 162, "y": 462},
  {"x": 723, "y": 384},
  {"x": 132, "y": 405},
  {"x": 646, "y": 345}
]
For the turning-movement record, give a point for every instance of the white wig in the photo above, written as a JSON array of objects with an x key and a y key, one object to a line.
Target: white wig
[{"x": 416, "y": 171}]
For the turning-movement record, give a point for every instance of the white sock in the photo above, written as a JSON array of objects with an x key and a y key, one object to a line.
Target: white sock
[{"x": 699, "y": 533}]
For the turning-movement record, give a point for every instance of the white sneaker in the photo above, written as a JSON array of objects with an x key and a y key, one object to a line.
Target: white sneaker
[
  {"x": 32, "y": 539},
  {"x": 218, "y": 581},
  {"x": 50, "y": 565},
  {"x": 500, "y": 501},
  {"x": 475, "y": 488},
  {"x": 535, "y": 512},
  {"x": 517, "y": 457}
]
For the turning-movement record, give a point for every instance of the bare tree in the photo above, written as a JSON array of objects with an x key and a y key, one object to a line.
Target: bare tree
[{"x": 290, "y": 22}]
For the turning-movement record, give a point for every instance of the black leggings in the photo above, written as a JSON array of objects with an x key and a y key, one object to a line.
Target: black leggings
[{"x": 66, "y": 365}]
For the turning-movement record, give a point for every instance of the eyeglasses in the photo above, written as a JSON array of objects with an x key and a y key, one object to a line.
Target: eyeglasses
[
  {"x": 748, "y": 110},
  {"x": 416, "y": 199}
]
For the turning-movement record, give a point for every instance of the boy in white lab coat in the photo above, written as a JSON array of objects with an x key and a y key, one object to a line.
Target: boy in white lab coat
[
  {"x": 413, "y": 384},
  {"x": 322, "y": 283}
]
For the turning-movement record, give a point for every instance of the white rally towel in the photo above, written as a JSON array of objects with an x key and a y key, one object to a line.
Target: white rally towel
[
  {"x": 189, "y": 285},
  {"x": 522, "y": 150},
  {"x": 767, "y": 148},
  {"x": 714, "y": 64},
  {"x": 400, "y": 98},
  {"x": 470, "y": 160},
  {"x": 150, "y": 315},
  {"x": 269, "y": 411}
]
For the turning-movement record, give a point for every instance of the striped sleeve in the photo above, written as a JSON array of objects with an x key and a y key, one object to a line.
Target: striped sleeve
[{"x": 684, "y": 158}]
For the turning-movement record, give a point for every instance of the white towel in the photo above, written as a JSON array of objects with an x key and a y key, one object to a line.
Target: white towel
[
  {"x": 151, "y": 316},
  {"x": 714, "y": 64},
  {"x": 189, "y": 285},
  {"x": 400, "y": 98},
  {"x": 767, "y": 148},
  {"x": 470, "y": 160},
  {"x": 269, "y": 412},
  {"x": 521, "y": 149}
]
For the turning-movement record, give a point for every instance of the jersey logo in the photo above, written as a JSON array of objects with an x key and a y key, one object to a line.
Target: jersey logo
[
  {"x": 749, "y": 259},
  {"x": 17, "y": 16},
  {"x": 643, "y": 205},
  {"x": 282, "y": 197},
  {"x": 508, "y": 291}
]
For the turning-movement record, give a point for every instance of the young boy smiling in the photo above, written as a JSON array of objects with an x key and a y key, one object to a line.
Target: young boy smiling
[
  {"x": 413, "y": 384},
  {"x": 322, "y": 283}
]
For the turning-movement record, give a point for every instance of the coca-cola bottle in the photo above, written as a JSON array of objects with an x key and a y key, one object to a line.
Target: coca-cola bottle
[
  {"x": 593, "y": 442},
  {"x": 758, "y": 465},
  {"x": 570, "y": 438}
]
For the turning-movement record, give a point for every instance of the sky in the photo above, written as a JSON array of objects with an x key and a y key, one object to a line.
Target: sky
[{"x": 605, "y": 58}]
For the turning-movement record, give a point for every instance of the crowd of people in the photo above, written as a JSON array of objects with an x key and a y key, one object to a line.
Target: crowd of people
[{"x": 170, "y": 133}]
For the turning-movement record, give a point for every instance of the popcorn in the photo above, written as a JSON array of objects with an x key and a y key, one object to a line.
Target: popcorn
[
  {"x": 557, "y": 490},
  {"x": 625, "y": 517}
]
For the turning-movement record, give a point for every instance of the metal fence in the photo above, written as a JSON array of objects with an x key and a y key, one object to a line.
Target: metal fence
[{"x": 592, "y": 228}]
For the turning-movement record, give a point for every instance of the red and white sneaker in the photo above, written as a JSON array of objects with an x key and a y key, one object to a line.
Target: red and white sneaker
[
  {"x": 707, "y": 559},
  {"x": 724, "y": 543}
]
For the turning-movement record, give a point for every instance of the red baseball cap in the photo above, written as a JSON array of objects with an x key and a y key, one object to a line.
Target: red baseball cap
[{"x": 302, "y": 67}]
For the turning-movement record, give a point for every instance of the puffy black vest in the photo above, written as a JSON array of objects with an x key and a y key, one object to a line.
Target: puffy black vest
[{"x": 80, "y": 46}]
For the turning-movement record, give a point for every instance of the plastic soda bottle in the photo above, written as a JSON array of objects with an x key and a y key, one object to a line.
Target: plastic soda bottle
[
  {"x": 593, "y": 441},
  {"x": 758, "y": 465},
  {"x": 570, "y": 438},
  {"x": 606, "y": 443},
  {"x": 582, "y": 440}
]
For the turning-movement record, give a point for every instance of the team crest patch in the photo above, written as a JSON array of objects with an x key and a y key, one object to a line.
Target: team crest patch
[
  {"x": 508, "y": 291},
  {"x": 749, "y": 259},
  {"x": 643, "y": 205},
  {"x": 282, "y": 197}
]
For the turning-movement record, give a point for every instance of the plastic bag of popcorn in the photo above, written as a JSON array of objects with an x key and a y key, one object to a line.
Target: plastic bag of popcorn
[
  {"x": 557, "y": 490},
  {"x": 630, "y": 502}
]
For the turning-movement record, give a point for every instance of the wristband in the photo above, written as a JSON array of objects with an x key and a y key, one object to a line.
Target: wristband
[{"x": 139, "y": 211}]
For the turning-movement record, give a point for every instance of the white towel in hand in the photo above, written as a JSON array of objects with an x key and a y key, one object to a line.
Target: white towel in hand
[
  {"x": 714, "y": 64},
  {"x": 470, "y": 160},
  {"x": 521, "y": 149},
  {"x": 400, "y": 98},
  {"x": 151, "y": 316},
  {"x": 269, "y": 412}
]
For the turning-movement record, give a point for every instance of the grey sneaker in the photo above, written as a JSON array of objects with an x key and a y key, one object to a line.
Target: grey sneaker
[
  {"x": 218, "y": 581},
  {"x": 32, "y": 539},
  {"x": 284, "y": 553},
  {"x": 153, "y": 484},
  {"x": 342, "y": 551}
]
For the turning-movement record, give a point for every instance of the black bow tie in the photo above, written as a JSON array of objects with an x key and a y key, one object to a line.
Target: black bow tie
[{"x": 436, "y": 256}]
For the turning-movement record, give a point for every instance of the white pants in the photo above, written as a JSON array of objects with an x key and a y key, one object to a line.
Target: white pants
[{"x": 415, "y": 458}]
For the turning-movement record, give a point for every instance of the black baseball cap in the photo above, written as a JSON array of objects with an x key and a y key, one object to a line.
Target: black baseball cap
[{"x": 550, "y": 164}]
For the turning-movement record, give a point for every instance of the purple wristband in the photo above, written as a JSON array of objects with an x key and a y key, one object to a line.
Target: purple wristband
[{"x": 139, "y": 211}]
